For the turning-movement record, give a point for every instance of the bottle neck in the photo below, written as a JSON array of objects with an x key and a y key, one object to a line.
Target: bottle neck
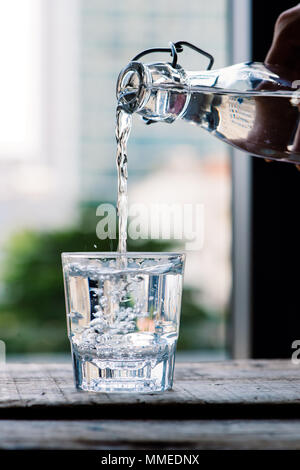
[{"x": 158, "y": 92}]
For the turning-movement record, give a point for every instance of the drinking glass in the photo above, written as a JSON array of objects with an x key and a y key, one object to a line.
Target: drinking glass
[{"x": 123, "y": 313}]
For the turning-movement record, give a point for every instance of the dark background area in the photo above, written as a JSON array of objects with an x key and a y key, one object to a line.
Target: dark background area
[{"x": 276, "y": 228}]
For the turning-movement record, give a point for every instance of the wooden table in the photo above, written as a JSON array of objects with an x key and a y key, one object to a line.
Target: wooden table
[{"x": 221, "y": 405}]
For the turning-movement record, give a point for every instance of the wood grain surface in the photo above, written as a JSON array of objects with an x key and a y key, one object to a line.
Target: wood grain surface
[
  {"x": 221, "y": 405},
  {"x": 221, "y": 389}
]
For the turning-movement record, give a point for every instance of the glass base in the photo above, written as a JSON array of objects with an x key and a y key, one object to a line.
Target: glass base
[{"x": 123, "y": 376}]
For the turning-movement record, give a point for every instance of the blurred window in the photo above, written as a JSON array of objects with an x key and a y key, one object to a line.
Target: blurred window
[{"x": 20, "y": 85}]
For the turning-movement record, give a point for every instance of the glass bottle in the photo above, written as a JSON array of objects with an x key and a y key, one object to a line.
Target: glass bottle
[{"x": 247, "y": 105}]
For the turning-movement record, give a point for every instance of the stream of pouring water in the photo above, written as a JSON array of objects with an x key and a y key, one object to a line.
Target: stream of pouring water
[{"x": 123, "y": 128}]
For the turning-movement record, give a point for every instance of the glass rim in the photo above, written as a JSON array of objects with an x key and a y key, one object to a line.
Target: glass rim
[{"x": 117, "y": 254}]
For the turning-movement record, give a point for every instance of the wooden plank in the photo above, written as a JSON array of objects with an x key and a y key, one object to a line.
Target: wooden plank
[
  {"x": 149, "y": 434},
  {"x": 223, "y": 389}
]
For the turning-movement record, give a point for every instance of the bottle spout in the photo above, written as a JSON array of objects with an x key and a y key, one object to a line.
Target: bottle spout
[
  {"x": 131, "y": 87},
  {"x": 156, "y": 91}
]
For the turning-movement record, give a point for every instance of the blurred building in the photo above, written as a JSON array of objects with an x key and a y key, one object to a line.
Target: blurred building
[
  {"x": 177, "y": 162},
  {"x": 111, "y": 34}
]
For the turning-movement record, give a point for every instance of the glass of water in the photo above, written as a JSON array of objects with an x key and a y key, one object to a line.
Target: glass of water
[{"x": 123, "y": 312}]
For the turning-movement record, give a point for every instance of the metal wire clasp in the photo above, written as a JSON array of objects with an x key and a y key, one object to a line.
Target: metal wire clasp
[{"x": 174, "y": 50}]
